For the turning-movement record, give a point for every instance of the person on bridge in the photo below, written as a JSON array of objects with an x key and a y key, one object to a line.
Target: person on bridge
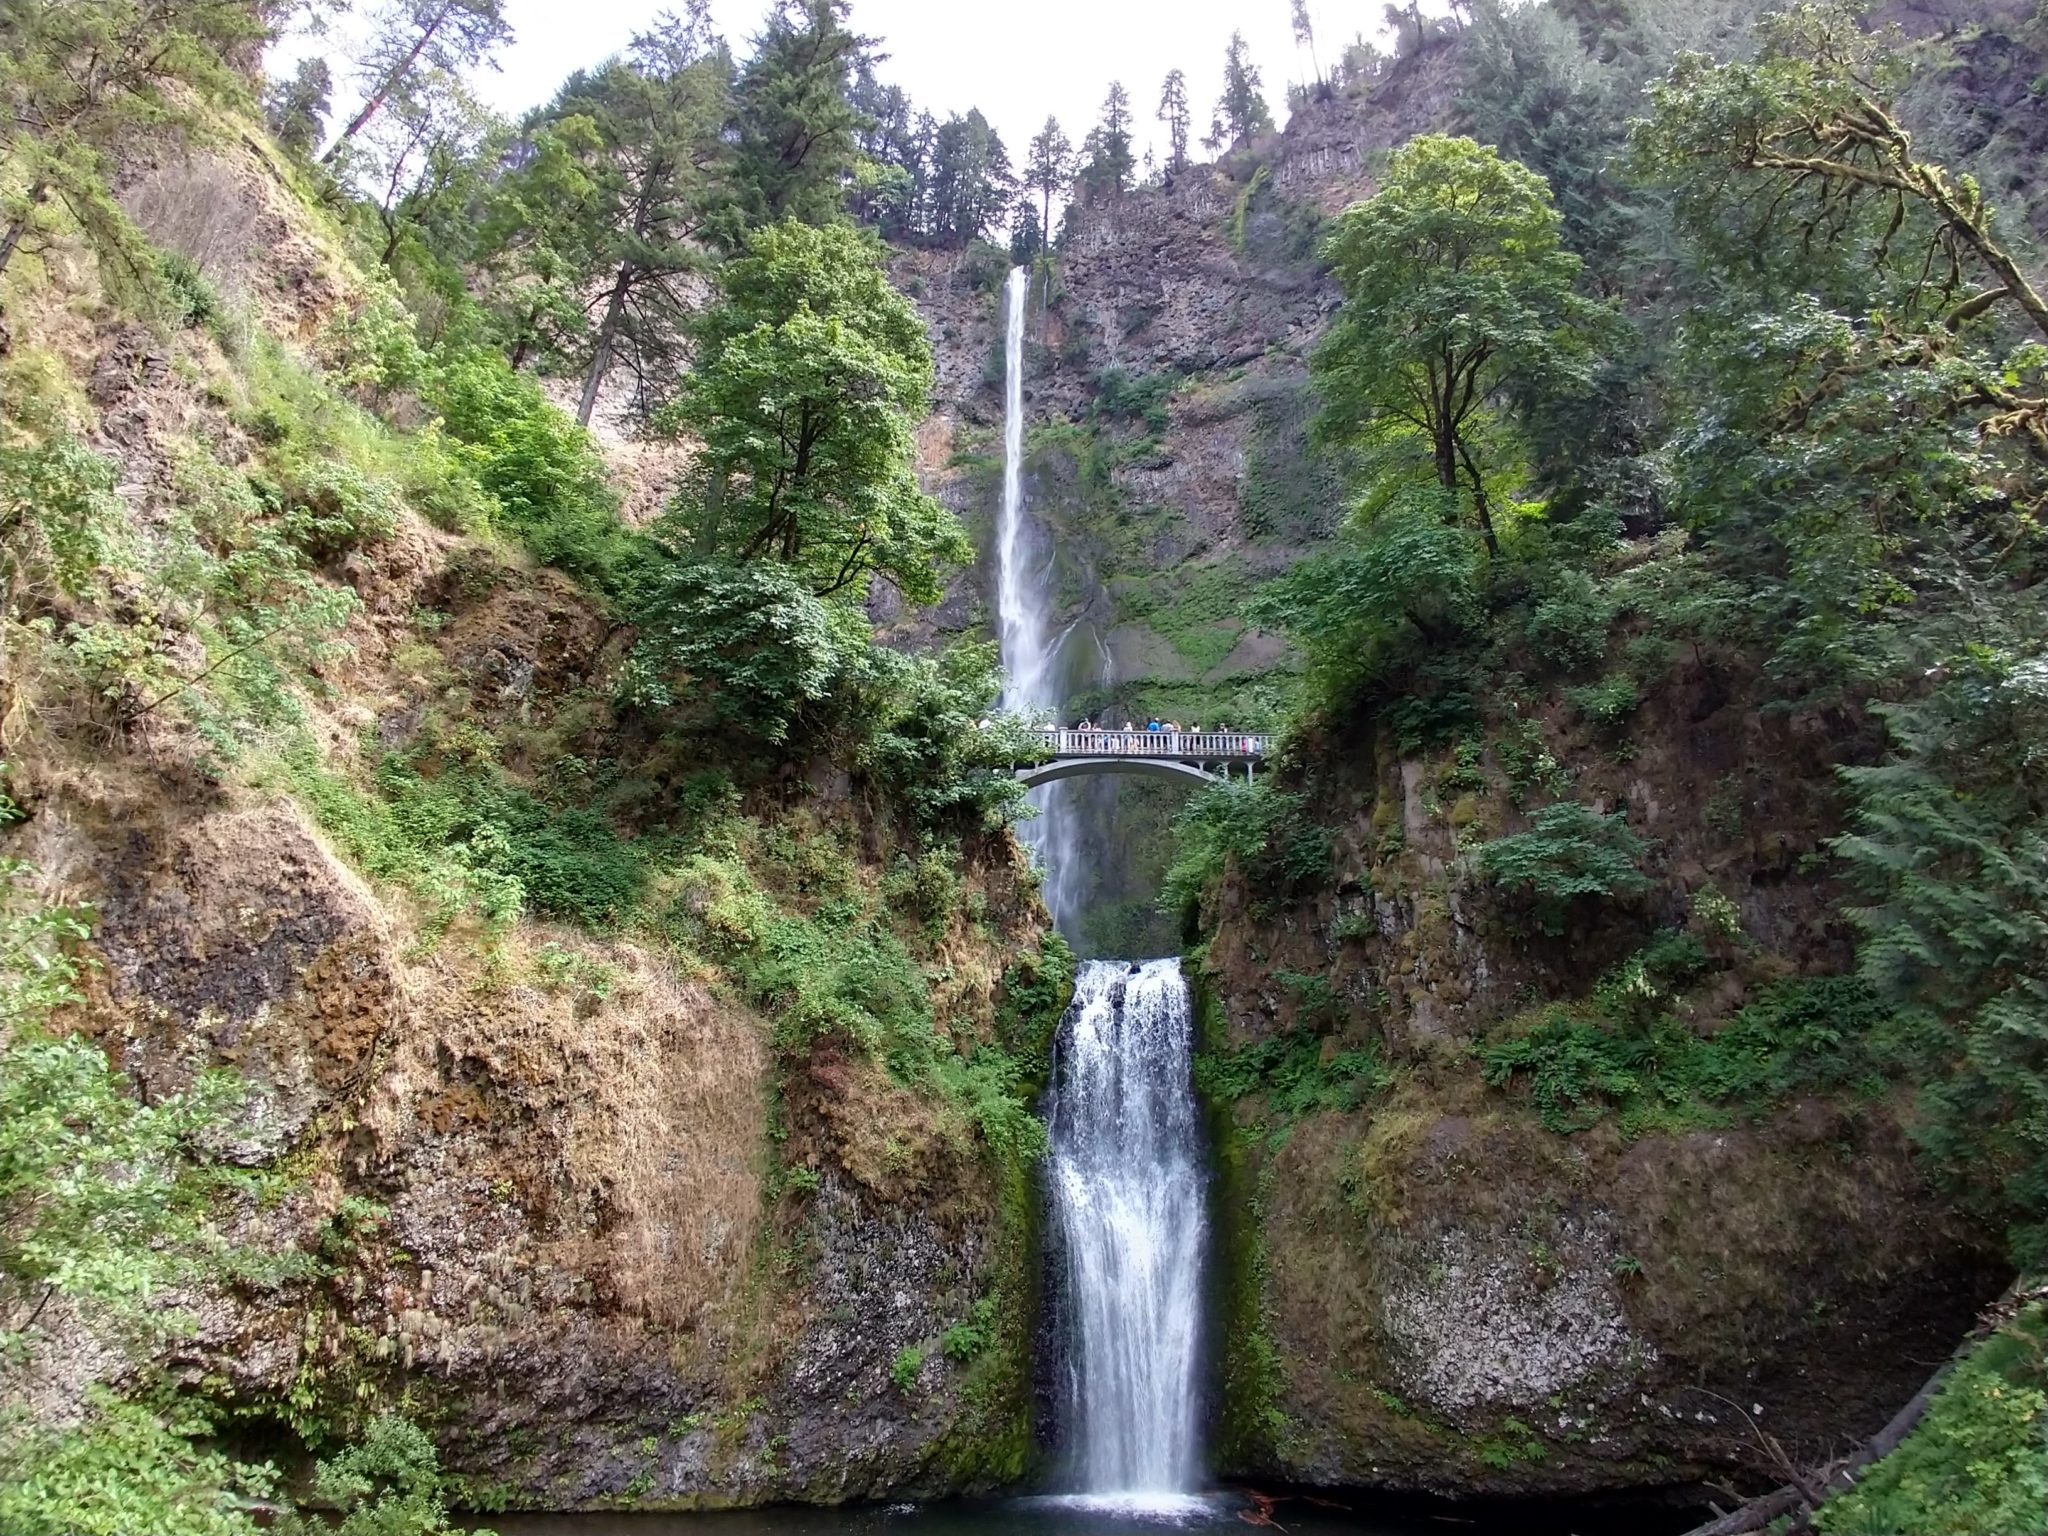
[{"x": 1153, "y": 726}]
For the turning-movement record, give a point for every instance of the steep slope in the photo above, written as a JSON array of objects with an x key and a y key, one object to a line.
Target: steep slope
[{"x": 535, "y": 1004}]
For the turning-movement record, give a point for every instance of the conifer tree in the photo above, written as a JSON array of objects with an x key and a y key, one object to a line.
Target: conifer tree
[
  {"x": 1108, "y": 159},
  {"x": 296, "y": 109},
  {"x": 1241, "y": 111},
  {"x": 413, "y": 36},
  {"x": 1173, "y": 111},
  {"x": 1048, "y": 169},
  {"x": 1305, "y": 37},
  {"x": 657, "y": 175},
  {"x": 794, "y": 121}
]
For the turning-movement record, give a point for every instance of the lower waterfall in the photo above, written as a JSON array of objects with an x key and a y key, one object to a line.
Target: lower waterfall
[{"x": 1129, "y": 1200}]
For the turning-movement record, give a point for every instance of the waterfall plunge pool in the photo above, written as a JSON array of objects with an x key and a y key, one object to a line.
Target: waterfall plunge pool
[{"x": 1357, "y": 1514}]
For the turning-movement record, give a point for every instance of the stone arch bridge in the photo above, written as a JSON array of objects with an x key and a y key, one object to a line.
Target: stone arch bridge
[{"x": 1205, "y": 757}]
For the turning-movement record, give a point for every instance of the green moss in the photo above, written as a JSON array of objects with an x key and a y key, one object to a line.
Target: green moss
[{"x": 1252, "y": 1430}]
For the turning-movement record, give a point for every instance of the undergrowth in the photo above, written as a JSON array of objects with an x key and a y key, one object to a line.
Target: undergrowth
[{"x": 1630, "y": 1051}]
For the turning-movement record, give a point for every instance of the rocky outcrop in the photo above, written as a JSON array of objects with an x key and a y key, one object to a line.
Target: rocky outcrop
[{"x": 1436, "y": 1288}]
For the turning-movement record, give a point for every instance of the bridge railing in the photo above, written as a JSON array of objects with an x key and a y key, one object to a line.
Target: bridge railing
[{"x": 1188, "y": 746}]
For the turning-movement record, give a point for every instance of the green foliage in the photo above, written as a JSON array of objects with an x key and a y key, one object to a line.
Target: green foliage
[
  {"x": 965, "y": 1341},
  {"x": 1294, "y": 1073},
  {"x": 751, "y": 646},
  {"x": 1263, "y": 832},
  {"x": 1629, "y": 1050},
  {"x": 1033, "y": 995},
  {"x": 1950, "y": 843},
  {"x": 544, "y": 474},
  {"x": 1608, "y": 703},
  {"x": 388, "y": 1483},
  {"x": 1406, "y": 576},
  {"x": 1973, "y": 1465},
  {"x": 443, "y": 820},
  {"x": 1457, "y": 288},
  {"x": 125, "y": 1467},
  {"x": 80, "y": 78},
  {"x": 904, "y": 1368},
  {"x": 811, "y": 375},
  {"x": 1569, "y": 852},
  {"x": 1121, "y": 395}
]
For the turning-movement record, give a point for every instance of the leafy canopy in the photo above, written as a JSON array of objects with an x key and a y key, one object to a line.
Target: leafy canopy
[
  {"x": 1458, "y": 295},
  {"x": 812, "y": 374}
]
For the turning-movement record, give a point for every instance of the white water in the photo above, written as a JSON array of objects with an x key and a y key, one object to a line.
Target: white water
[
  {"x": 1024, "y": 590},
  {"x": 1130, "y": 1205}
]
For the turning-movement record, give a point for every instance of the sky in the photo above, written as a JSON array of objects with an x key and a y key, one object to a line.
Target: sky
[{"x": 1015, "y": 62}]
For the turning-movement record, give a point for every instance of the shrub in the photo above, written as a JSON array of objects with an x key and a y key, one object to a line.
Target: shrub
[
  {"x": 1973, "y": 1465},
  {"x": 749, "y": 644},
  {"x": 1568, "y": 626},
  {"x": 1265, "y": 832},
  {"x": 1607, "y": 703},
  {"x": 388, "y": 1483},
  {"x": 1571, "y": 851},
  {"x": 1290, "y": 1071}
]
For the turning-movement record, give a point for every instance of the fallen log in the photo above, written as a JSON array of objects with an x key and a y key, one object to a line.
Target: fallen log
[{"x": 1840, "y": 1476}]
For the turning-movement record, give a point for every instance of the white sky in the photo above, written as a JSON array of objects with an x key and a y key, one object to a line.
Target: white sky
[{"x": 1016, "y": 63}]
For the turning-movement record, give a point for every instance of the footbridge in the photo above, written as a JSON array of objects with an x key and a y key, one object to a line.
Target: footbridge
[{"x": 1206, "y": 757}]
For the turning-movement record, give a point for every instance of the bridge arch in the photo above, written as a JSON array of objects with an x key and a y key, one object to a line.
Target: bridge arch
[{"x": 1074, "y": 767}]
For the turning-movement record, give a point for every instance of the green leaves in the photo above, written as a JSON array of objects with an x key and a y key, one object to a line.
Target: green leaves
[
  {"x": 1457, "y": 287},
  {"x": 811, "y": 375},
  {"x": 752, "y": 643},
  {"x": 1569, "y": 852}
]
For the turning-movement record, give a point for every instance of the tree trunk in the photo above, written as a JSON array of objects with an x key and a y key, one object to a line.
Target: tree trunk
[
  {"x": 389, "y": 84},
  {"x": 601, "y": 357},
  {"x": 19, "y": 227}
]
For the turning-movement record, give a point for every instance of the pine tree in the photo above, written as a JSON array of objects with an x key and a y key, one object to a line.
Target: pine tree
[
  {"x": 1241, "y": 111},
  {"x": 1107, "y": 160},
  {"x": 296, "y": 109},
  {"x": 1173, "y": 111},
  {"x": 1305, "y": 37},
  {"x": 794, "y": 121},
  {"x": 970, "y": 180},
  {"x": 413, "y": 36},
  {"x": 1048, "y": 169},
  {"x": 657, "y": 173}
]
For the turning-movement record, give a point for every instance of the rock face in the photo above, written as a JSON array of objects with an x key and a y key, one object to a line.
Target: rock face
[{"x": 1438, "y": 1289}]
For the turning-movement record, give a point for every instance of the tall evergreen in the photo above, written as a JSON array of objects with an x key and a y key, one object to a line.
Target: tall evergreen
[
  {"x": 658, "y": 171},
  {"x": 794, "y": 125},
  {"x": 1241, "y": 111},
  {"x": 1107, "y": 158},
  {"x": 1047, "y": 170},
  {"x": 1173, "y": 111}
]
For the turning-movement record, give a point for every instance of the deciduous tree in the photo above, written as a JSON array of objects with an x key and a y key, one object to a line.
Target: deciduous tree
[
  {"x": 811, "y": 375},
  {"x": 1457, "y": 290}
]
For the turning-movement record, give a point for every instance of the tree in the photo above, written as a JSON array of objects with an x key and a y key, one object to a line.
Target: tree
[
  {"x": 1241, "y": 111},
  {"x": 1107, "y": 158},
  {"x": 811, "y": 375},
  {"x": 970, "y": 185},
  {"x": 1048, "y": 168},
  {"x": 1305, "y": 37},
  {"x": 1457, "y": 290},
  {"x": 452, "y": 36},
  {"x": 539, "y": 239},
  {"x": 77, "y": 77},
  {"x": 1173, "y": 111},
  {"x": 794, "y": 121},
  {"x": 296, "y": 109},
  {"x": 656, "y": 171}
]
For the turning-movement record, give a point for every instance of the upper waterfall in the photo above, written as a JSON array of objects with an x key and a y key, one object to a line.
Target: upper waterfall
[{"x": 1024, "y": 628}]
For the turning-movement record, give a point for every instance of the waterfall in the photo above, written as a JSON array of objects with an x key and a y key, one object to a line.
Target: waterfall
[
  {"x": 1024, "y": 591},
  {"x": 1130, "y": 1209},
  {"x": 1126, "y": 1175}
]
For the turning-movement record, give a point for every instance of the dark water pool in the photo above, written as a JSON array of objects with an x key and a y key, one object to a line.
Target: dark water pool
[{"x": 1233, "y": 1513}]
